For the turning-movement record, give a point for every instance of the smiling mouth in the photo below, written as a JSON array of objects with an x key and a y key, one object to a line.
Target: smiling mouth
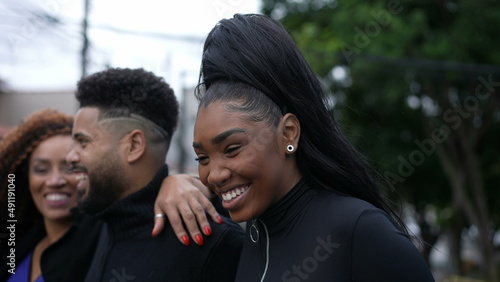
[
  {"x": 56, "y": 197},
  {"x": 80, "y": 172},
  {"x": 234, "y": 193},
  {"x": 81, "y": 176}
]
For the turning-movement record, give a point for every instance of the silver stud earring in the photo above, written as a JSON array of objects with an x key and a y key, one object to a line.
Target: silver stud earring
[{"x": 290, "y": 148}]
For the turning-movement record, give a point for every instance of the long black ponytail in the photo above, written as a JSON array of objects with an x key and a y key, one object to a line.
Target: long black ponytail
[{"x": 256, "y": 50}]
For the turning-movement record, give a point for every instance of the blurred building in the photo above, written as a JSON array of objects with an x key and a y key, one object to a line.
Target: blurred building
[
  {"x": 15, "y": 106},
  {"x": 181, "y": 157}
]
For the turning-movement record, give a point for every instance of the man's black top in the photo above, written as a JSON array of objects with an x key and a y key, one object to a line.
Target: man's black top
[
  {"x": 313, "y": 235},
  {"x": 127, "y": 252}
]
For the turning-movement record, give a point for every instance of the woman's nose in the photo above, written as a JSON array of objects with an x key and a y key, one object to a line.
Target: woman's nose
[
  {"x": 219, "y": 175},
  {"x": 56, "y": 179}
]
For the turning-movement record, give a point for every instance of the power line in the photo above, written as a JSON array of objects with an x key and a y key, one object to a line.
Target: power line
[
  {"x": 86, "y": 43},
  {"x": 187, "y": 38},
  {"x": 160, "y": 35}
]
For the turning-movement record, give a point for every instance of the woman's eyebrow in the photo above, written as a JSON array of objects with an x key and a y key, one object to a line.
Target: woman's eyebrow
[{"x": 221, "y": 137}]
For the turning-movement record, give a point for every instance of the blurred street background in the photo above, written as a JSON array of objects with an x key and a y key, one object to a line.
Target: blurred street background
[{"x": 414, "y": 84}]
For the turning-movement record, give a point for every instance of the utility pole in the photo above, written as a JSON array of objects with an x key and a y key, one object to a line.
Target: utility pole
[
  {"x": 181, "y": 129},
  {"x": 85, "y": 46}
]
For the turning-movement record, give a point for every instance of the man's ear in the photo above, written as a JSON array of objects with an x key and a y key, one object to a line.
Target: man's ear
[
  {"x": 291, "y": 133},
  {"x": 135, "y": 145}
]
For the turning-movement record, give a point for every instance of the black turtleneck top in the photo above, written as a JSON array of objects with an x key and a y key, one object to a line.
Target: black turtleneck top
[
  {"x": 127, "y": 252},
  {"x": 315, "y": 235}
]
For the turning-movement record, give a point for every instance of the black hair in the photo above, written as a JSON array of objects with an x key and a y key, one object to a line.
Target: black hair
[
  {"x": 121, "y": 92},
  {"x": 256, "y": 50},
  {"x": 251, "y": 101}
]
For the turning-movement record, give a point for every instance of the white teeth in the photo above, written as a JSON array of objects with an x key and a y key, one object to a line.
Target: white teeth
[
  {"x": 230, "y": 195},
  {"x": 81, "y": 177},
  {"x": 56, "y": 197}
]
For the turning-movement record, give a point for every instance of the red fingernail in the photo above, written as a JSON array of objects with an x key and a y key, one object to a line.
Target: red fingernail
[
  {"x": 219, "y": 219},
  {"x": 198, "y": 239},
  {"x": 208, "y": 230},
  {"x": 185, "y": 240}
]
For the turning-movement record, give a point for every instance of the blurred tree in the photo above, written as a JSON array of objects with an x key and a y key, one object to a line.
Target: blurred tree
[{"x": 415, "y": 84}]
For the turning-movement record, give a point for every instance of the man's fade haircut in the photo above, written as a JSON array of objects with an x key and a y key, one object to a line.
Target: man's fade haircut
[{"x": 128, "y": 93}]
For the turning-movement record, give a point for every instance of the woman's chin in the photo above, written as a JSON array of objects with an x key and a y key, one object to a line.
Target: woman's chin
[{"x": 239, "y": 217}]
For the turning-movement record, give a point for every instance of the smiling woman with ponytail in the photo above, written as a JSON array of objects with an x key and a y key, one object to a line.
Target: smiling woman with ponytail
[{"x": 268, "y": 147}]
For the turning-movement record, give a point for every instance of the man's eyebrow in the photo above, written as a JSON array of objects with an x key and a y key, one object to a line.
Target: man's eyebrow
[{"x": 221, "y": 137}]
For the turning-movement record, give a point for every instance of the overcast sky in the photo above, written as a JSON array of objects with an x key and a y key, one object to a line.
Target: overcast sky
[{"x": 40, "y": 53}]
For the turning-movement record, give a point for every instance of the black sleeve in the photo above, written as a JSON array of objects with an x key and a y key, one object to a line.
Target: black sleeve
[
  {"x": 383, "y": 253},
  {"x": 225, "y": 256}
]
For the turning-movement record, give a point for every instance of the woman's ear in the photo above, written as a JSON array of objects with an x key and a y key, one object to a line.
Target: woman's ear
[
  {"x": 135, "y": 145},
  {"x": 291, "y": 132}
]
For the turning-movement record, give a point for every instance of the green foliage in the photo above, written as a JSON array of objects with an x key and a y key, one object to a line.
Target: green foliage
[{"x": 395, "y": 51}]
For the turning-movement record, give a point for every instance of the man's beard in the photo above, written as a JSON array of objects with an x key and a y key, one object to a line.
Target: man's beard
[{"x": 106, "y": 185}]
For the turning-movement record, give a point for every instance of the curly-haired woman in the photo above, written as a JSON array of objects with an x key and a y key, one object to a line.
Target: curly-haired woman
[{"x": 33, "y": 157}]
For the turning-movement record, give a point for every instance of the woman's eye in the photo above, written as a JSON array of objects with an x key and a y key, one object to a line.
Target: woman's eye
[
  {"x": 201, "y": 159},
  {"x": 232, "y": 149},
  {"x": 40, "y": 170}
]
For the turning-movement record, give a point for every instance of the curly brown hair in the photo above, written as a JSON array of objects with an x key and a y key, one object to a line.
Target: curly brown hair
[{"x": 15, "y": 151}]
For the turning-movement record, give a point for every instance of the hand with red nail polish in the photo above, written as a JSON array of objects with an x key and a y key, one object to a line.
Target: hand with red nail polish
[
  {"x": 185, "y": 240},
  {"x": 208, "y": 230},
  {"x": 199, "y": 239},
  {"x": 186, "y": 203}
]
